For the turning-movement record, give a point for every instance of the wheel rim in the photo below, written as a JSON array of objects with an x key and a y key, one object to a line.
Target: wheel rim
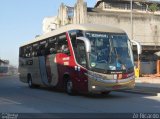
[
  {"x": 69, "y": 86},
  {"x": 30, "y": 82}
]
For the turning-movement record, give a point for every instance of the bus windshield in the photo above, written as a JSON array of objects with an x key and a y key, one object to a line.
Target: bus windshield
[{"x": 110, "y": 51}]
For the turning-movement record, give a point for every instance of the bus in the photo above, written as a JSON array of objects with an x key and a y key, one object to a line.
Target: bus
[
  {"x": 84, "y": 58},
  {"x": 4, "y": 67},
  {"x": 3, "y": 70}
]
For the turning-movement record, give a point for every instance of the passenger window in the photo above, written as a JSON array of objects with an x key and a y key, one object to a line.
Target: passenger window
[
  {"x": 35, "y": 50},
  {"x": 28, "y": 51},
  {"x": 22, "y": 53},
  {"x": 52, "y": 44},
  {"x": 62, "y": 46}
]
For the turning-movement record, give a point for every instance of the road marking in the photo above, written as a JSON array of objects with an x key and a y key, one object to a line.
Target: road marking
[{"x": 7, "y": 101}]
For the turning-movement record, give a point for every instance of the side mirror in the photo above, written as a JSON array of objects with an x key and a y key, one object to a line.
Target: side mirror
[
  {"x": 87, "y": 43},
  {"x": 139, "y": 47}
]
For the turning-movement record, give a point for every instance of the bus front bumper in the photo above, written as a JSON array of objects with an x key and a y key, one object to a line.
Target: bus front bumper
[{"x": 98, "y": 86}]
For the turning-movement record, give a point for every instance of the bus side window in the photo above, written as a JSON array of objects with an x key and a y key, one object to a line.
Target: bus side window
[
  {"x": 35, "y": 49},
  {"x": 22, "y": 53},
  {"x": 52, "y": 50},
  {"x": 41, "y": 49},
  {"x": 28, "y": 51},
  {"x": 46, "y": 50},
  {"x": 42, "y": 52},
  {"x": 62, "y": 46},
  {"x": 52, "y": 45}
]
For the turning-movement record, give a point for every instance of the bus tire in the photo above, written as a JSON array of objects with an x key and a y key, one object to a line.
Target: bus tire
[
  {"x": 69, "y": 87},
  {"x": 30, "y": 83},
  {"x": 106, "y": 93}
]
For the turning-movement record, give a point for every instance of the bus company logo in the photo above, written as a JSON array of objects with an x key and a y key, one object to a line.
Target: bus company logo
[
  {"x": 9, "y": 116},
  {"x": 66, "y": 58},
  {"x": 116, "y": 72}
]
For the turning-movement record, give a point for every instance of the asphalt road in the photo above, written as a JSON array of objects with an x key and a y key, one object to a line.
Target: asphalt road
[{"x": 16, "y": 97}]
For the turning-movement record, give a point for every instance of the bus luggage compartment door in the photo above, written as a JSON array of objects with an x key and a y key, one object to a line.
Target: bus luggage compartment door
[{"x": 43, "y": 71}]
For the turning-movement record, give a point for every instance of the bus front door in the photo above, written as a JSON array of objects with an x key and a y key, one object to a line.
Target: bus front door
[{"x": 82, "y": 61}]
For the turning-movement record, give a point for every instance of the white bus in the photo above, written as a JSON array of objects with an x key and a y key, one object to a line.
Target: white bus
[{"x": 86, "y": 58}]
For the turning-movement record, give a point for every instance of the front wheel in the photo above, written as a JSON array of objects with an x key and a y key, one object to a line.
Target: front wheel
[
  {"x": 69, "y": 87},
  {"x": 106, "y": 93},
  {"x": 30, "y": 83}
]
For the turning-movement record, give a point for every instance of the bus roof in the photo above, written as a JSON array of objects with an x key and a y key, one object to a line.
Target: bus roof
[{"x": 85, "y": 27}]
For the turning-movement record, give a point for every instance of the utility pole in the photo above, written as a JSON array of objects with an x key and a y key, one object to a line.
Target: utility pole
[{"x": 131, "y": 7}]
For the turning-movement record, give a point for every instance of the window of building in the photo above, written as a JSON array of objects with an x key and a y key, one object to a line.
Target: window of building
[{"x": 107, "y": 6}]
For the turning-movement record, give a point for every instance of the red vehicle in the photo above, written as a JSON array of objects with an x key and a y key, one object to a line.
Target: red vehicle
[{"x": 83, "y": 58}]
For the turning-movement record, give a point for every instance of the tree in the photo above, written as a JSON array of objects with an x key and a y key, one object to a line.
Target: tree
[{"x": 153, "y": 7}]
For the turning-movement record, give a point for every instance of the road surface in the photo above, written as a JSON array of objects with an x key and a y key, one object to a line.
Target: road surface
[{"x": 16, "y": 97}]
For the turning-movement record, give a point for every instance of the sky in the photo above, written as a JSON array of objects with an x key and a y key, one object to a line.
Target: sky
[{"x": 21, "y": 20}]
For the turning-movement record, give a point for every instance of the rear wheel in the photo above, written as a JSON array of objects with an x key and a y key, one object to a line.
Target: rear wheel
[
  {"x": 105, "y": 93},
  {"x": 30, "y": 83}
]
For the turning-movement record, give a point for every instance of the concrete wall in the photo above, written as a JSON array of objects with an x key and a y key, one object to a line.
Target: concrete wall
[
  {"x": 80, "y": 12},
  {"x": 62, "y": 15},
  {"x": 146, "y": 27},
  {"x": 148, "y": 67}
]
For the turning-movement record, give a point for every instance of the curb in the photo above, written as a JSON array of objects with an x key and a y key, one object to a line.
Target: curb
[
  {"x": 134, "y": 91},
  {"x": 8, "y": 76},
  {"x": 153, "y": 91}
]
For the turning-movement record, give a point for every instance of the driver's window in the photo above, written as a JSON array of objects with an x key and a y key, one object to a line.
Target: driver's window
[{"x": 81, "y": 53}]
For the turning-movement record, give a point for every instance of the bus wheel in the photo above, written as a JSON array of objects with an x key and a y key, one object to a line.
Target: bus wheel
[
  {"x": 69, "y": 87},
  {"x": 105, "y": 93},
  {"x": 30, "y": 84}
]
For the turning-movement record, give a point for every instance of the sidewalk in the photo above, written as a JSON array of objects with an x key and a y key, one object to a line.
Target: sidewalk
[
  {"x": 148, "y": 80},
  {"x": 148, "y": 85}
]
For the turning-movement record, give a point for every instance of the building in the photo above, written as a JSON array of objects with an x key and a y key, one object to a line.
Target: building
[
  {"x": 145, "y": 27},
  {"x": 4, "y": 66},
  {"x": 49, "y": 24},
  {"x": 7, "y": 69}
]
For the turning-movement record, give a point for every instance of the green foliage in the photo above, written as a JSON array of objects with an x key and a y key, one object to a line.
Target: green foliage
[{"x": 153, "y": 7}]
